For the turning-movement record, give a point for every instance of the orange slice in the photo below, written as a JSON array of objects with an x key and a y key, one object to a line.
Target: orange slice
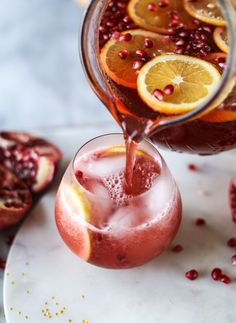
[
  {"x": 193, "y": 80},
  {"x": 120, "y": 70},
  {"x": 221, "y": 39},
  {"x": 207, "y": 11},
  {"x": 80, "y": 207},
  {"x": 220, "y": 115},
  {"x": 158, "y": 20}
]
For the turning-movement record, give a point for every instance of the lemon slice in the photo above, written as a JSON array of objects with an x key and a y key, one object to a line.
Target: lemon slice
[
  {"x": 193, "y": 80},
  {"x": 221, "y": 39},
  {"x": 207, "y": 11},
  {"x": 157, "y": 20},
  {"x": 120, "y": 70},
  {"x": 122, "y": 150},
  {"x": 79, "y": 207}
]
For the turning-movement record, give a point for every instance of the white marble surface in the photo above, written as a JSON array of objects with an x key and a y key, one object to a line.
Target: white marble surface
[
  {"x": 41, "y": 80},
  {"x": 41, "y": 264}
]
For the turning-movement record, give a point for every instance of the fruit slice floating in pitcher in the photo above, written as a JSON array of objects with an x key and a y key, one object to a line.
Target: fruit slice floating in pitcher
[
  {"x": 207, "y": 11},
  {"x": 221, "y": 39},
  {"x": 123, "y": 57},
  {"x": 175, "y": 84},
  {"x": 159, "y": 16}
]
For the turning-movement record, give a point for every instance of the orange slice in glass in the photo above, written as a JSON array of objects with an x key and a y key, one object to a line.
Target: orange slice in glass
[
  {"x": 159, "y": 18},
  {"x": 192, "y": 79},
  {"x": 207, "y": 11},
  {"x": 122, "y": 71},
  {"x": 221, "y": 39}
]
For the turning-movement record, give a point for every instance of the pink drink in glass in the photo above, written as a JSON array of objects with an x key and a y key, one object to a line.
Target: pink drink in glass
[{"x": 105, "y": 224}]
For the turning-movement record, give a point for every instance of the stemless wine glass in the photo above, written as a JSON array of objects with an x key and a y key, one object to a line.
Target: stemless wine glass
[
  {"x": 212, "y": 133},
  {"x": 102, "y": 224}
]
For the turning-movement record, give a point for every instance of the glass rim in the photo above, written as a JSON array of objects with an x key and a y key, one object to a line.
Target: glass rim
[{"x": 161, "y": 163}]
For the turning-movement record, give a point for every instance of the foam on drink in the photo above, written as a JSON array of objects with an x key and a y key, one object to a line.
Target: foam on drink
[{"x": 106, "y": 170}]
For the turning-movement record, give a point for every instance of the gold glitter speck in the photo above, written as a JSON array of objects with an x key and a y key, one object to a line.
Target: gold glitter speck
[
  {"x": 11, "y": 309},
  {"x": 85, "y": 321},
  {"x": 13, "y": 283}
]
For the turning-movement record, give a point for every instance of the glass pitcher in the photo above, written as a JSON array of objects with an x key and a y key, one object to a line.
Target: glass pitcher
[{"x": 203, "y": 130}]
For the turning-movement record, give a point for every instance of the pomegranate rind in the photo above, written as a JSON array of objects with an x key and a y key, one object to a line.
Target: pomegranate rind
[
  {"x": 11, "y": 215},
  {"x": 232, "y": 198},
  {"x": 71, "y": 221},
  {"x": 45, "y": 174}
]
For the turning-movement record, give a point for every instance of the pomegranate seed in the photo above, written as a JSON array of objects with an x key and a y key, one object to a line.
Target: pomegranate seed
[
  {"x": 137, "y": 65},
  {"x": 141, "y": 53},
  {"x": 196, "y": 36},
  {"x": 216, "y": 274},
  {"x": 148, "y": 43},
  {"x": 125, "y": 37},
  {"x": 207, "y": 29},
  {"x": 169, "y": 89},
  {"x": 183, "y": 34},
  {"x": 163, "y": 4},
  {"x": 116, "y": 35},
  {"x": 233, "y": 260},
  {"x": 152, "y": 7},
  {"x": 110, "y": 24},
  {"x": 191, "y": 274},
  {"x": 221, "y": 60},
  {"x": 79, "y": 174},
  {"x": 203, "y": 52},
  {"x": 123, "y": 54},
  {"x": 178, "y": 248},
  {"x": 180, "y": 42},
  {"x": 179, "y": 51},
  {"x": 102, "y": 29},
  {"x": 192, "y": 167},
  {"x": 173, "y": 23},
  {"x": 222, "y": 65},
  {"x": 196, "y": 22},
  {"x": 174, "y": 15},
  {"x": 121, "y": 5},
  {"x": 127, "y": 19},
  {"x": 225, "y": 279},
  {"x": 231, "y": 242},
  {"x": 172, "y": 31},
  {"x": 2, "y": 264},
  {"x": 200, "y": 222},
  {"x": 159, "y": 95}
]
